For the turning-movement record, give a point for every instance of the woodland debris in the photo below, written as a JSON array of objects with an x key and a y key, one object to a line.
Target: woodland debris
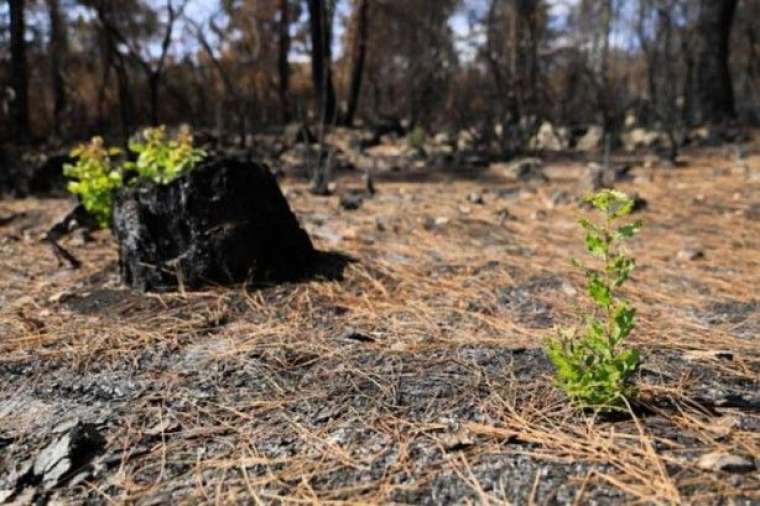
[
  {"x": 77, "y": 218},
  {"x": 690, "y": 254},
  {"x": 597, "y": 176},
  {"x": 529, "y": 169},
  {"x": 550, "y": 138},
  {"x": 351, "y": 201},
  {"x": 726, "y": 462},
  {"x": 224, "y": 222},
  {"x": 592, "y": 140},
  {"x": 66, "y": 456},
  {"x": 352, "y": 334},
  {"x": 476, "y": 198}
]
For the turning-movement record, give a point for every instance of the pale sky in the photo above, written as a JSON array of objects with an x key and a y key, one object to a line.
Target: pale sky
[{"x": 459, "y": 23}]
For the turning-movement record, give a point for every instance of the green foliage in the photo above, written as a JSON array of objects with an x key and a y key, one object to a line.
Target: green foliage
[
  {"x": 416, "y": 138},
  {"x": 592, "y": 369},
  {"x": 160, "y": 159},
  {"x": 96, "y": 177}
]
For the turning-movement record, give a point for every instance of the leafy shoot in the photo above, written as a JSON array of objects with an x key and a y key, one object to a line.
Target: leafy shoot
[{"x": 594, "y": 369}]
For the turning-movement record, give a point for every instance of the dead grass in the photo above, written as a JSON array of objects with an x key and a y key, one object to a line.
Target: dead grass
[{"x": 254, "y": 396}]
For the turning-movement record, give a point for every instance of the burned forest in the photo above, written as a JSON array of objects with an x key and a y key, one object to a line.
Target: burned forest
[{"x": 380, "y": 252}]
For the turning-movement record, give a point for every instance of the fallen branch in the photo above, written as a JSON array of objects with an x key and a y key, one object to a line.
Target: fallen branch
[{"x": 75, "y": 219}]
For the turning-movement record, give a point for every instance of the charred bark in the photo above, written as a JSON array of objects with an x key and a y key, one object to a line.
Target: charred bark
[
  {"x": 321, "y": 59},
  {"x": 360, "y": 56},
  {"x": 19, "y": 75},
  {"x": 283, "y": 67},
  {"x": 714, "y": 88},
  {"x": 57, "y": 50},
  {"x": 225, "y": 222}
]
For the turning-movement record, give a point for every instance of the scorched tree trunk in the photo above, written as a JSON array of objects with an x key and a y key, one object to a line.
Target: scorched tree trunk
[{"x": 225, "y": 222}]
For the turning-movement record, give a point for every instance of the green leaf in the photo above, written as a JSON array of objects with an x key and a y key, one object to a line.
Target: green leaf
[
  {"x": 599, "y": 291},
  {"x": 596, "y": 245},
  {"x": 629, "y": 361},
  {"x": 628, "y": 231},
  {"x": 621, "y": 266},
  {"x": 621, "y": 207},
  {"x": 612, "y": 203},
  {"x": 595, "y": 239},
  {"x": 625, "y": 319}
]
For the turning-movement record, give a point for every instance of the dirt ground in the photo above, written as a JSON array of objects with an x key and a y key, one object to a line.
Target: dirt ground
[{"x": 419, "y": 377}]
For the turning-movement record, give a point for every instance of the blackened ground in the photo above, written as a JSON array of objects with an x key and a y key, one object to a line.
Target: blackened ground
[{"x": 417, "y": 377}]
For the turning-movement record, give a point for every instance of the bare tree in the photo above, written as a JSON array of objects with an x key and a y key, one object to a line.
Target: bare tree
[
  {"x": 238, "y": 97},
  {"x": 714, "y": 88},
  {"x": 57, "y": 51},
  {"x": 19, "y": 72},
  {"x": 358, "y": 59},
  {"x": 110, "y": 38},
  {"x": 320, "y": 23},
  {"x": 283, "y": 67},
  {"x": 153, "y": 67}
]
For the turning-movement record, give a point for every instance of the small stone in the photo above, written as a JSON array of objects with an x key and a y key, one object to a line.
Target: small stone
[
  {"x": 59, "y": 297},
  {"x": 721, "y": 461},
  {"x": 529, "y": 169},
  {"x": 549, "y": 138},
  {"x": 476, "y": 198},
  {"x": 690, "y": 255},
  {"x": 351, "y": 201},
  {"x": 559, "y": 198},
  {"x": 70, "y": 452},
  {"x": 465, "y": 209},
  {"x": 697, "y": 355},
  {"x": 352, "y": 334},
  {"x": 430, "y": 223},
  {"x": 568, "y": 289},
  {"x": 592, "y": 140},
  {"x": 457, "y": 441},
  {"x": 505, "y": 215},
  {"x": 508, "y": 193},
  {"x": 598, "y": 176}
]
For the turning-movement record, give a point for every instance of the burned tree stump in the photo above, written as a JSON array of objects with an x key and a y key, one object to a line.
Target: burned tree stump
[{"x": 224, "y": 222}]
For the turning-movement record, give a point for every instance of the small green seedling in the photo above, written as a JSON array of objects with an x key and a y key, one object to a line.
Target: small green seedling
[
  {"x": 416, "y": 138},
  {"x": 595, "y": 370},
  {"x": 160, "y": 159},
  {"x": 95, "y": 178}
]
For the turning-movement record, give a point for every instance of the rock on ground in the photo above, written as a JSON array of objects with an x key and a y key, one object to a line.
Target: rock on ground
[
  {"x": 528, "y": 169},
  {"x": 592, "y": 140},
  {"x": 549, "y": 138},
  {"x": 597, "y": 177},
  {"x": 643, "y": 138},
  {"x": 70, "y": 453},
  {"x": 224, "y": 222}
]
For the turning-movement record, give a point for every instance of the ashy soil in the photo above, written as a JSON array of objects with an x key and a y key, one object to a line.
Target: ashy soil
[{"x": 414, "y": 377}]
